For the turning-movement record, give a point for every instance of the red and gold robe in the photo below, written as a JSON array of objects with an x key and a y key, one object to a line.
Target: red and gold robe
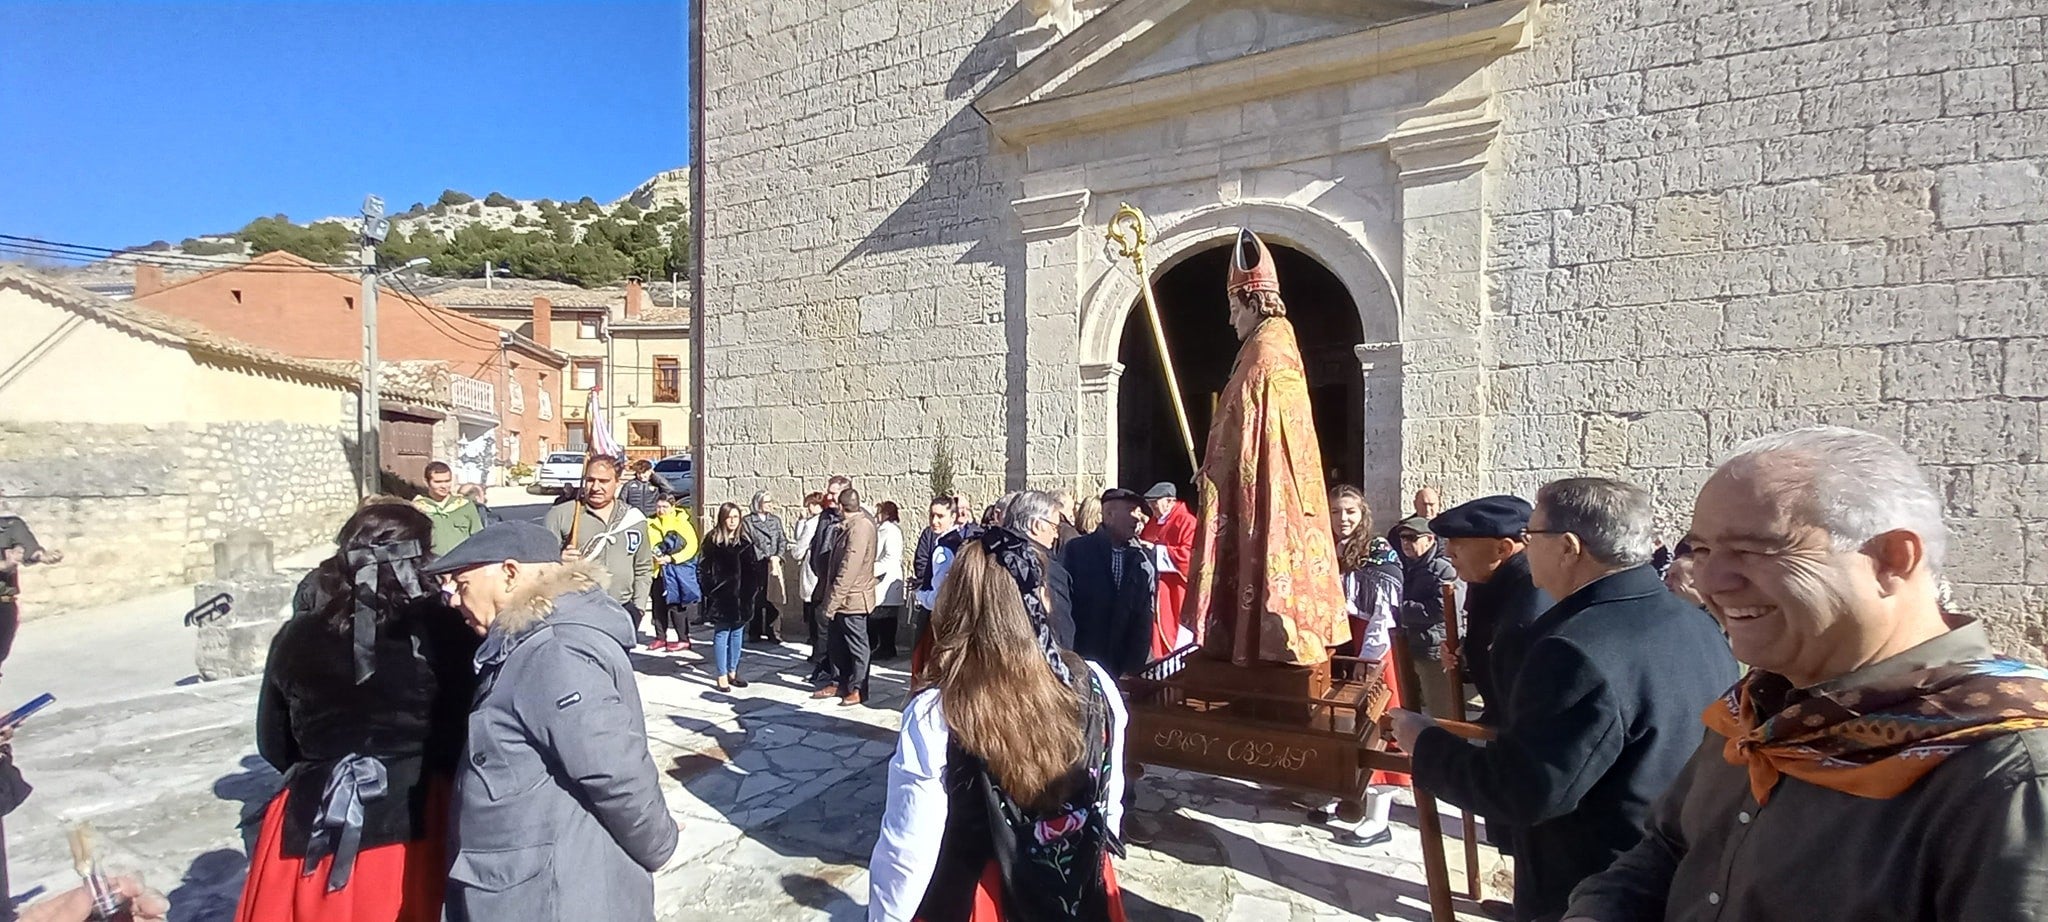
[
  {"x": 1264, "y": 577},
  {"x": 1176, "y": 535}
]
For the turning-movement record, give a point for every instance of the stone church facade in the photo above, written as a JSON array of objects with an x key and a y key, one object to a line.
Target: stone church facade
[{"x": 1563, "y": 236}]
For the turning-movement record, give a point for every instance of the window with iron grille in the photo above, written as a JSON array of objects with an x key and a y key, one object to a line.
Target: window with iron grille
[{"x": 668, "y": 379}]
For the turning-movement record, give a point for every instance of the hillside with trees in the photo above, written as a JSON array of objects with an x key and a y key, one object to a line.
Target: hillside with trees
[{"x": 583, "y": 242}]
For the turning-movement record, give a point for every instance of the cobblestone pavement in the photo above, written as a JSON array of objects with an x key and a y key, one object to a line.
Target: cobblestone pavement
[{"x": 780, "y": 797}]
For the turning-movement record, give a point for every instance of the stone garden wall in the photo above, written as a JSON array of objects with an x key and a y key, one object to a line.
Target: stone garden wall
[{"x": 136, "y": 508}]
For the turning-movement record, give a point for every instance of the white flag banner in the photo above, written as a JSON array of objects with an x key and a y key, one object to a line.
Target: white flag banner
[{"x": 601, "y": 441}]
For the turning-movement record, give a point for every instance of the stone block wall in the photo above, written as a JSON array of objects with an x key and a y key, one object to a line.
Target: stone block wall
[
  {"x": 859, "y": 248},
  {"x": 1713, "y": 219},
  {"x": 137, "y": 508}
]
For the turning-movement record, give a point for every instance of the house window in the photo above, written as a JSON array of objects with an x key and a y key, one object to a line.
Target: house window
[
  {"x": 587, "y": 375},
  {"x": 579, "y": 436},
  {"x": 351, "y": 302},
  {"x": 668, "y": 379},
  {"x": 643, "y": 433},
  {"x": 236, "y": 293},
  {"x": 586, "y": 328}
]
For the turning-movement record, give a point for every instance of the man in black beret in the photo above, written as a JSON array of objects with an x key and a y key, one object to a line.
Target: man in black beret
[{"x": 1483, "y": 539}]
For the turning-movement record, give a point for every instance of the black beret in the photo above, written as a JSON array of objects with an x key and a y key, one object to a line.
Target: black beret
[{"x": 1486, "y": 517}]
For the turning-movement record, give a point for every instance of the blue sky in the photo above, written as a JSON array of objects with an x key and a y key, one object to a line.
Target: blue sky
[{"x": 123, "y": 123}]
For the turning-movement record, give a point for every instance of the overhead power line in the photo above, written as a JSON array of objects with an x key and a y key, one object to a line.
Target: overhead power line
[{"x": 88, "y": 253}]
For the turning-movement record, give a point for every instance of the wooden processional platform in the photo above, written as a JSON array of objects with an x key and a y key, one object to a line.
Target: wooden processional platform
[{"x": 1290, "y": 727}]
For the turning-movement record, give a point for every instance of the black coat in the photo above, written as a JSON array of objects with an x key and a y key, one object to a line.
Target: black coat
[
  {"x": 1422, "y": 595},
  {"x": 1112, "y": 624},
  {"x": 1498, "y": 614},
  {"x": 1059, "y": 594},
  {"x": 718, "y": 572},
  {"x": 640, "y": 495},
  {"x": 412, "y": 713},
  {"x": 1603, "y": 715},
  {"x": 921, "y": 560}
]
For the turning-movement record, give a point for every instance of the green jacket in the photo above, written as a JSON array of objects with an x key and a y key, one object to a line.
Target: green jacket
[{"x": 455, "y": 519}]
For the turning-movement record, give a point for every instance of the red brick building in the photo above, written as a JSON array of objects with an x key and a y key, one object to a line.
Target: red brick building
[{"x": 302, "y": 308}]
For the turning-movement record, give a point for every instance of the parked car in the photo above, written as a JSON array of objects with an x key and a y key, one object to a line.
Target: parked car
[
  {"x": 560, "y": 472},
  {"x": 680, "y": 475}
]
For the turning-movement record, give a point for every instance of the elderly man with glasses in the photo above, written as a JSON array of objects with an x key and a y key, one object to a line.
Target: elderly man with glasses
[
  {"x": 1882, "y": 761},
  {"x": 1604, "y": 710}
]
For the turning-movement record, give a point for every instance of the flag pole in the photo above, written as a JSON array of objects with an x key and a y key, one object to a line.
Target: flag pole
[{"x": 1128, "y": 232}]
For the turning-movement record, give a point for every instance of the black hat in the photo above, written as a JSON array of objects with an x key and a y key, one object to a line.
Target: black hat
[
  {"x": 1121, "y": 495},
  {"x": 1485, "y": 517},
  {"x": 1163, "y": 490},
  {"x": 1418, "y": 524},
  {"x": 521, "y": 541}
]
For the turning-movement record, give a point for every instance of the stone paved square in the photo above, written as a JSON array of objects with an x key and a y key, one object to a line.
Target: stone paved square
[{"x": 780, "y": 797}]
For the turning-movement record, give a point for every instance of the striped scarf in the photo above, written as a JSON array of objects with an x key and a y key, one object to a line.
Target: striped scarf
[{"x": 1875, "y": 740}]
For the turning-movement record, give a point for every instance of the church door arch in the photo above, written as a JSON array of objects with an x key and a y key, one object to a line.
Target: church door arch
[{"x": 1195, "y": 315}]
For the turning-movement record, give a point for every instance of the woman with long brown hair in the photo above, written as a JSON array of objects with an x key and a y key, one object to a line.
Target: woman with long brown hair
[
  {"x": 725, "y": 550},
  {"x": 1006, "y": 790},
  {"x": 1371, "y": 574}
]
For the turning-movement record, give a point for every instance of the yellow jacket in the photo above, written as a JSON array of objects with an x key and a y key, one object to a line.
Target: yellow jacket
[{"x": 679, "y": 522}]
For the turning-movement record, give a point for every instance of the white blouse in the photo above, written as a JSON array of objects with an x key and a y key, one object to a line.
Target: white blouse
[
  {"x": 915, "y": 820},
  {"x": 888, "y": 564}
]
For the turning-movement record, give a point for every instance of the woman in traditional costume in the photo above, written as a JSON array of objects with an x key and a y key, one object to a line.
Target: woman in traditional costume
[
  {"x": 1006, "y": 791},
  {"x": 363, "y": 707}
]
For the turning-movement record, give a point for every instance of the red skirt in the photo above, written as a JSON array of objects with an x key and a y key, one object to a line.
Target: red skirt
[
  {"x": 1393, "y": 701},
  {"x": 988, "y": 902},
  {"x": 401, "y": 882}
]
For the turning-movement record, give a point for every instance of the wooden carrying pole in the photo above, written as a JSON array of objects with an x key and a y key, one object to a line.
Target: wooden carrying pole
[
  {"x": 1456, "y": 670},
  {"x": 1435, "y": 870},
  {"x": 1128, "y": 232}
]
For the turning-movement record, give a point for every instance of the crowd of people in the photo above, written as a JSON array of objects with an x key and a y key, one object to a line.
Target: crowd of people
[{"x": 456, "y": 716}]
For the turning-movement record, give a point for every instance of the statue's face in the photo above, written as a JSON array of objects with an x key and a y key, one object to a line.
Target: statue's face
[{"x": 1244, "y": 313}]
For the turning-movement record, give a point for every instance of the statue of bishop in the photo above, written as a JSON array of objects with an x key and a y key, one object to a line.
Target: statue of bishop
[{"x": 1264, "y": 583}]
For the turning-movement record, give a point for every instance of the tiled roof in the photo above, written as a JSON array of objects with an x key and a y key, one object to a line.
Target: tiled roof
[{"x": 177, "y": 331}]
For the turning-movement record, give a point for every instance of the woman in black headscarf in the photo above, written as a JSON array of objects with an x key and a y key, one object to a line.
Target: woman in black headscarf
[{"x": 363, "y": 707}]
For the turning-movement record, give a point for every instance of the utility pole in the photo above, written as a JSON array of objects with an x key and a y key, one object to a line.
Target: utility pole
[{"x": 375, "y": 226}]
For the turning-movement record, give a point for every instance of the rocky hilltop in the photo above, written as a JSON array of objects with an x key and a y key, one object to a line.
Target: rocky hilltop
[{"x": 584, "y": 242}]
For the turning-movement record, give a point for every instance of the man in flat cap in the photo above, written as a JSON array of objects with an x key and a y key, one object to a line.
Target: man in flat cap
[
  {"x": 1604, "y": 711},
  {"x": 1484, "y": 540},
  {"x": 559, "y": 812}
]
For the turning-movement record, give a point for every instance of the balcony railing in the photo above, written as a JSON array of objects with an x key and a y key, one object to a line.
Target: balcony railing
[
  {"x": 654, "y": 452},
  {"x": 473, "y": 395}
]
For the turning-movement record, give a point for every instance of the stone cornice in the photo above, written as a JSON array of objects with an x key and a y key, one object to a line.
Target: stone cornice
[
  {"x": 1046, "y": 216},
  {"x": 1027, "y": 109},
  {"x": 1098, "y": 378},
  {"x": 1443, "y": 140}
]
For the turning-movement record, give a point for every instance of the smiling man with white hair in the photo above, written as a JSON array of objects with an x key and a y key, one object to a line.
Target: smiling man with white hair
[{"x": 1881, "y": 763}]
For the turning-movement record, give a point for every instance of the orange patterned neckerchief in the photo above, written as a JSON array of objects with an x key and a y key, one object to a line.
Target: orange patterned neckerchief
[{"x": 1875, "y": 740}]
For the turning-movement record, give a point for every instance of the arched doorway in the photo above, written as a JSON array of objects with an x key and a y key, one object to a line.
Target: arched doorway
[{"x": 1196, "y": 316}]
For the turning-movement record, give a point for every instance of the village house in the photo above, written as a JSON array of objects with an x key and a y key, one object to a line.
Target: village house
[
  {"x": 134, "y": 440},
  {"x": 506, "y": 387},
  {"x": 633, "y": 352}
]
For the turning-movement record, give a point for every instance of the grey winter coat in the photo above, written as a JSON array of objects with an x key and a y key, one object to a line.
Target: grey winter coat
[{"x": 559, "y": 809}]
